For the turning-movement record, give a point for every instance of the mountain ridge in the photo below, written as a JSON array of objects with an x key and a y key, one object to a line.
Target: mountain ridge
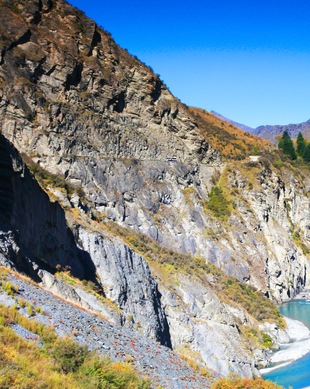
[
  {"x": 239, "y": 125},
  {"x": 269, "y": 132},
  {"x": 228, "y": 138}
]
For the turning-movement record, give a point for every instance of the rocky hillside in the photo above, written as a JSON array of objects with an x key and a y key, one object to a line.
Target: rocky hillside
[
  {"x": 227, "y": 136},
  {"x": 108, "y": 180},
  {"x": 75, "y": 92},
  {"x": 154, "y": 361}
]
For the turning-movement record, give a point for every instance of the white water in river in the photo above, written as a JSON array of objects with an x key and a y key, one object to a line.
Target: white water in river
[{"x": 293, "y": 360}]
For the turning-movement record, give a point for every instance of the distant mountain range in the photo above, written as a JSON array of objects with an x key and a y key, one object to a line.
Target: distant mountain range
[{"x": 269, "y": 132}]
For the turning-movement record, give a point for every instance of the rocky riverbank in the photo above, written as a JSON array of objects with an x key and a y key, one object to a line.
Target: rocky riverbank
[
  {"x": 303, "y": 295},
  {"x": 297, "y": 345},
  {"x": 294, "y": 347}
]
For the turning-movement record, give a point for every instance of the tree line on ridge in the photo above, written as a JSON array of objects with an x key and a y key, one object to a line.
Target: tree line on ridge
[{"x": 302, "y": 147}]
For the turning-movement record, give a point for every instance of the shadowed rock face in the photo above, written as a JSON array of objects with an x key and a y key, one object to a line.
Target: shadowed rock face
[
  {"x": 33, "y": 228},
  {"x": 6, "y": 189},
  {"x": 39, "y": 226}
]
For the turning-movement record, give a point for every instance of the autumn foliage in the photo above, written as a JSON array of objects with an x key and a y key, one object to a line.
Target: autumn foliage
[
  {"x": 244, "y": 383},
  {"x": 231, "y": 141}
]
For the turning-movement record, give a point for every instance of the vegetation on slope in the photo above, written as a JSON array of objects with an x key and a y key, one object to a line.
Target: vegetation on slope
[
  {"x": 218, "y": 203},
  {"x": 63, "y": 363},
  {"x": 229, "y": 288},
  {"x": 46, "y": 179},
  {"x": 301, "y": 144},
  {"x": 244, "y": 383},
  {"x": 60, "y": 363},
  {"x": 287, "y": 146},
  {"x": 232, "y": 142}
]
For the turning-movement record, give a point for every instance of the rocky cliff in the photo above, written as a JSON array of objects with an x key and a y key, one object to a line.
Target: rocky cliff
[
  {"x": 133, "y": 198},
  {"x": 35, "y": 236}
]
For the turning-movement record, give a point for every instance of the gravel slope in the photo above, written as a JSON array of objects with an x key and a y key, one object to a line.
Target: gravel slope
[{"x": 158, "y": 362}]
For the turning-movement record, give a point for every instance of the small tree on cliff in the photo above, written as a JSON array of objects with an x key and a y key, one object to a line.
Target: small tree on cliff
[
  {"x": 301, "y": 144},
  {"x": 287, "y": 146},
  {"x": 306, "y": 155}
]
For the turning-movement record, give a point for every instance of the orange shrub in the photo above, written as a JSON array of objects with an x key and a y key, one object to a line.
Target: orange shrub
[{"x": 244, "y": 383}]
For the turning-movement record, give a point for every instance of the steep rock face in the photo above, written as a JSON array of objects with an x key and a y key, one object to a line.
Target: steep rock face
[
  {"x": 128, "y": 282},
  {"x": 271, "y": 214},
  {"x": 279, "y": 213},
  {"x": 190, "y": 317},
  {"x": 77, "y": 295},
  {"x": 200, "y": 322},
  {"x": 37, "y": 225},
  {"x": 76, "y": 82},
  {"x": 34, "y": 234},
  {"x": 83, "y": 108}
]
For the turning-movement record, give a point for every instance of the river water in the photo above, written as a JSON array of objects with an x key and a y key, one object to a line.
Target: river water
[{"x": 296, "y": 374}]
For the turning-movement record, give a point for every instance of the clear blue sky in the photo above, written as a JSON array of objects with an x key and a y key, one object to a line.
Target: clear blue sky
[{"x": 248, "y": 60}]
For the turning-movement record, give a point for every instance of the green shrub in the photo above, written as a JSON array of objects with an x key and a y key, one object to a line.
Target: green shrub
[
  {"x": 280, "y": 163},
  {"x": 218, "y": 204},
  {"x": 30, "y": 310},
  {"x": 39, "y": 310},
  {"x": 90, "y": 285},
  {"x": 22, "y": 303},
  {"x": 9, "y": 288},
  {"x": 116, "y": 375},
  {"x": 267, "y": 341},
  {"x": 68, "y": 355},
  {"x": 47, "y": 335}
]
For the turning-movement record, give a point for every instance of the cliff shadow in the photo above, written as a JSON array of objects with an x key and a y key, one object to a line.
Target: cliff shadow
[{"x": 37, "y": 225}]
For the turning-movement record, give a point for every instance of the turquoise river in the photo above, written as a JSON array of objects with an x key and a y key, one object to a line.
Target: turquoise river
[{"x": 297, "y": 374}]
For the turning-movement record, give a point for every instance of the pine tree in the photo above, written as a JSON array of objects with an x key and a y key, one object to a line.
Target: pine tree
[
  {"x": 287, "y": 146},
  {"x": 281, "y": 144},
  {"x": 306, "y": 155},
  {"x": 301, "y": 144}
]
